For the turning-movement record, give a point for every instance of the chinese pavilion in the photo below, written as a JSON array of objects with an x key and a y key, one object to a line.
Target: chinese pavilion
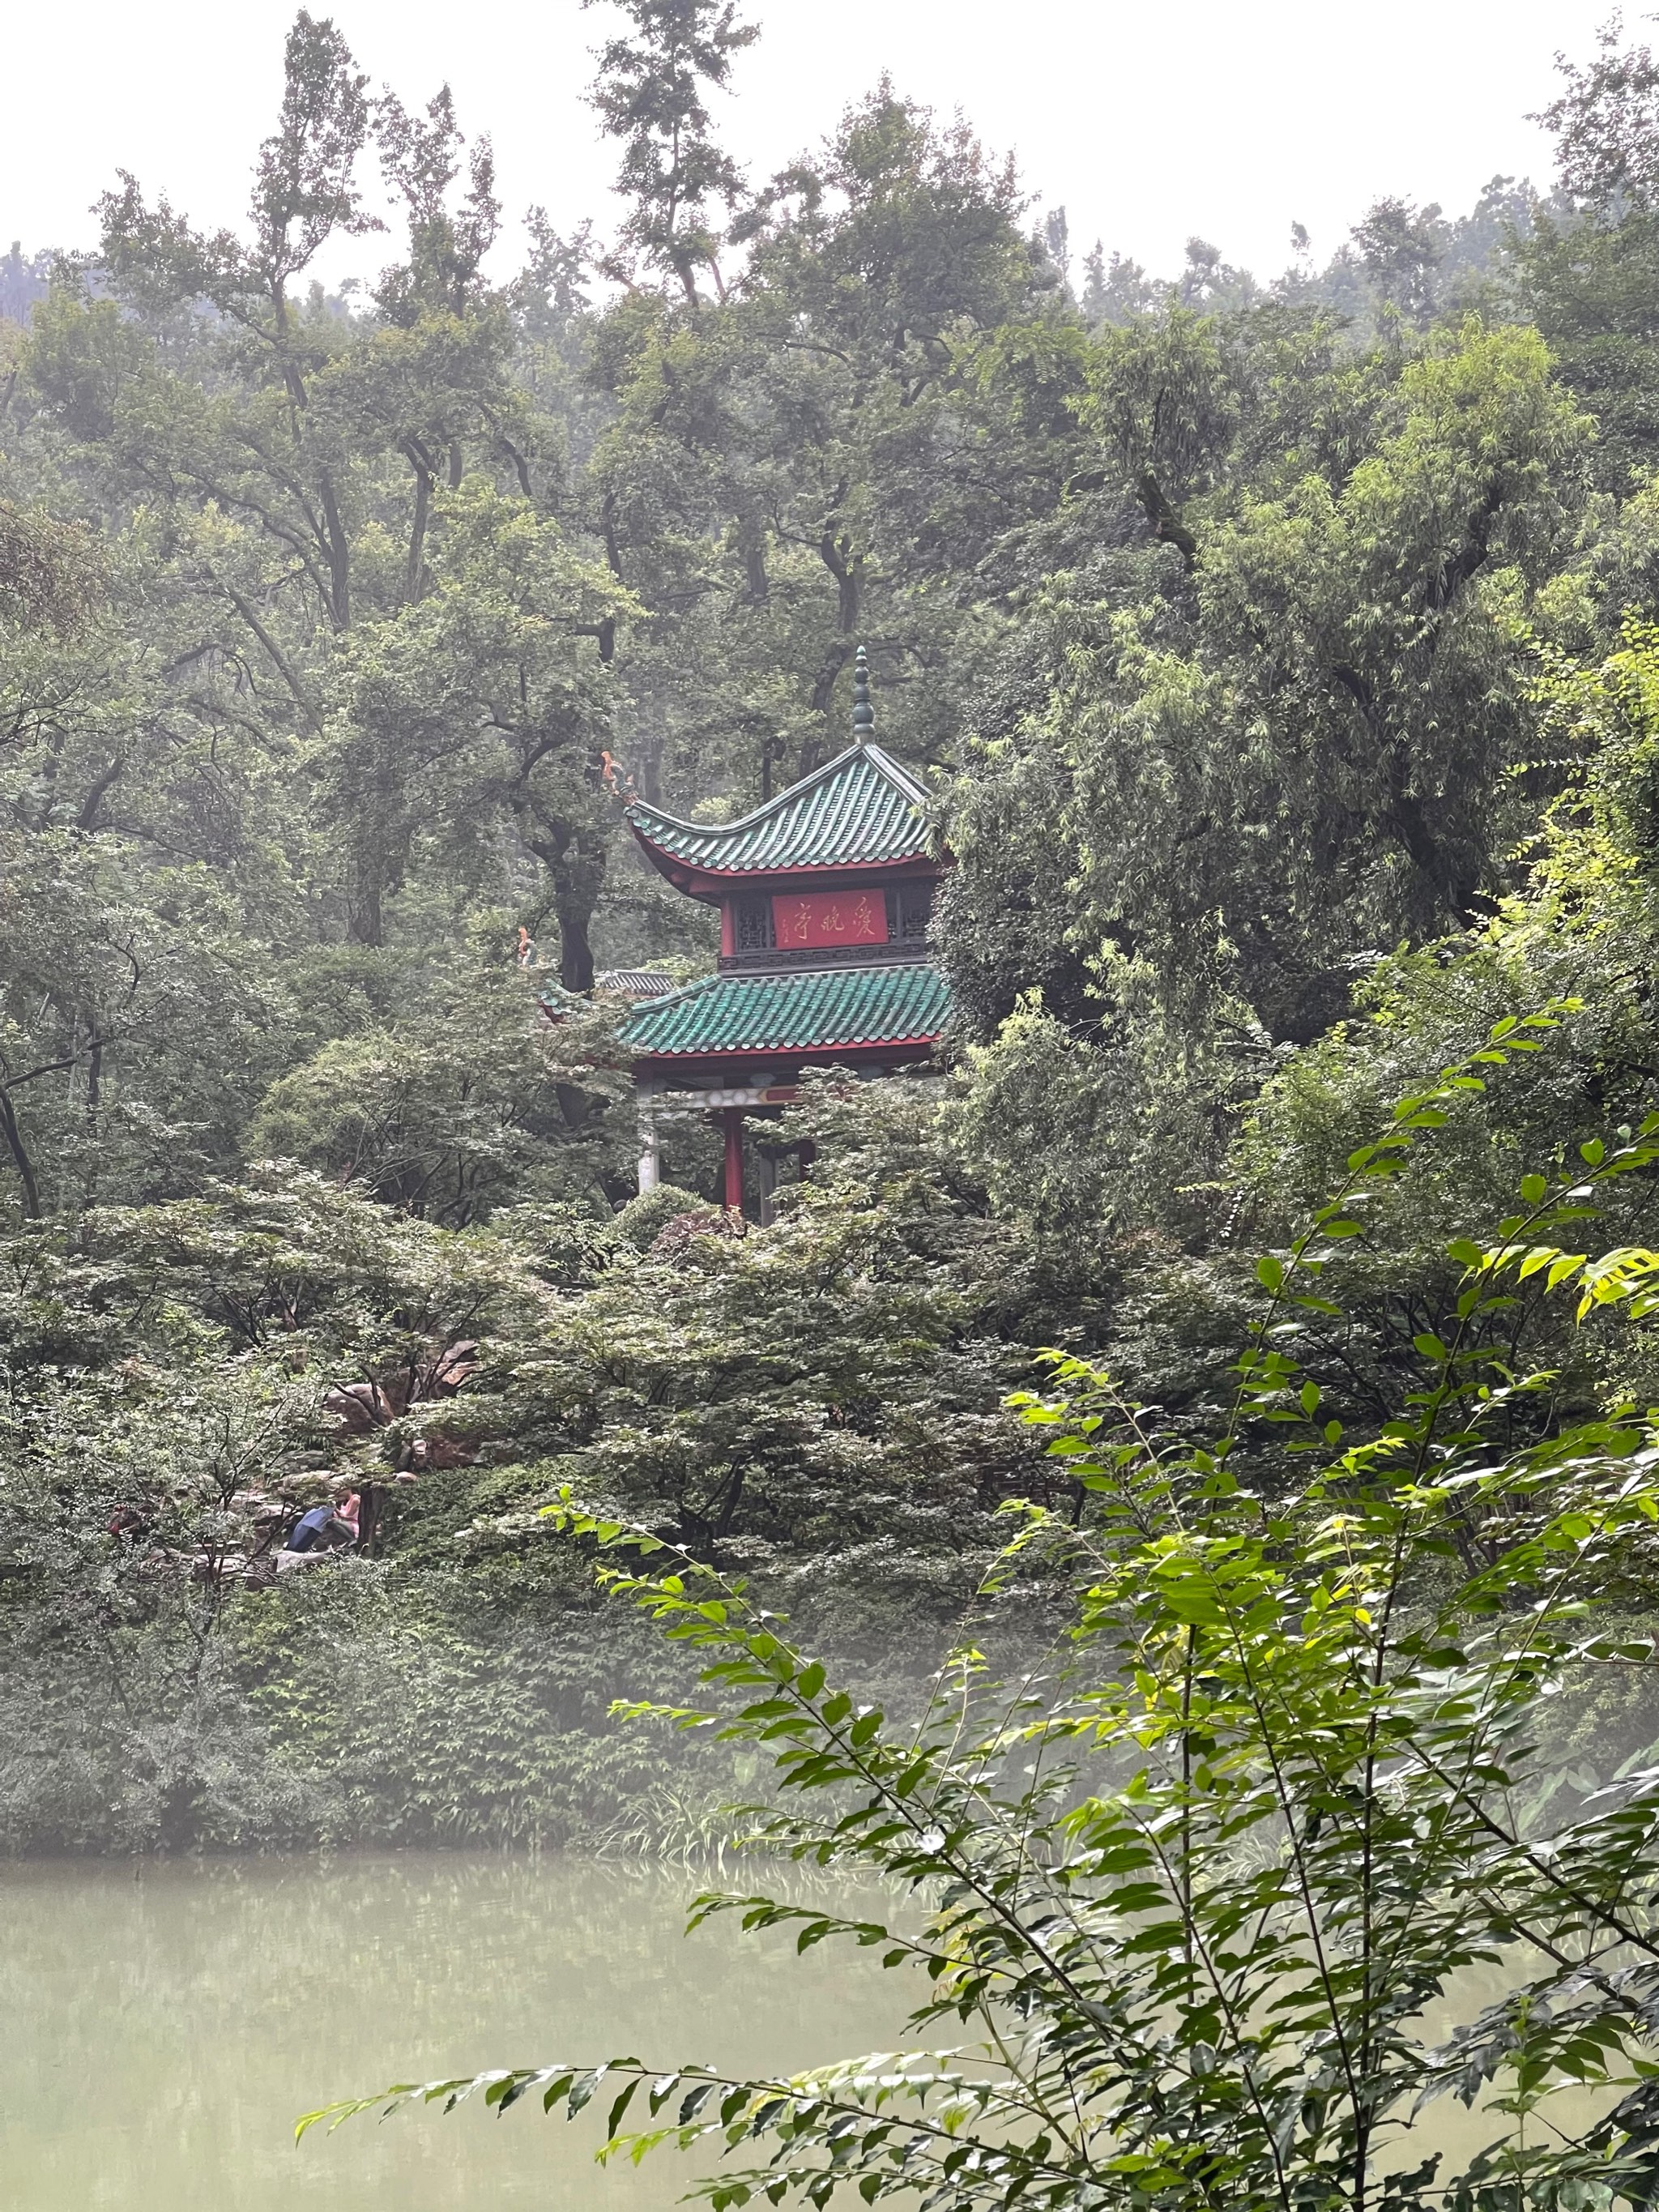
[{"x": 825, "y": 894}]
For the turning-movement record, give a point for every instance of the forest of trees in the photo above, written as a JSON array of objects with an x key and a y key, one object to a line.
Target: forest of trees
[
  {"x": 1283, "y": 659},
  {"x": 1282, "y": 656}
]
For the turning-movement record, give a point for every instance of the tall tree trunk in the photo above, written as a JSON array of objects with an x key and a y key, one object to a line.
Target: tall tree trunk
[
  {"x": 608, "y": 532},
  {"x": 757, "y": 584},
  {"x": 415, "y": 567},
  {"x": 90, "y": 1117},
  {"x": 365, "y": 920},
  {"x": 847, "y": 567},
  {"x": 339, "y": 555},
  {"x": 574, "y": 913},
  {"x": 574, "y": 855},
  {"x": 20, "y": 1161}
]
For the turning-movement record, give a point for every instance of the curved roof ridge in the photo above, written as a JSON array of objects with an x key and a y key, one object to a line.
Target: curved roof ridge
[
  {"x": 916, "y": 793},
  {"x": 862, "y": 808},
  {"x": 682, "y": 991}
]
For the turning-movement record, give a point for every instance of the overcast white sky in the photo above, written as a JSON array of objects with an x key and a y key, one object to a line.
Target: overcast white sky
[{"x": 1147, "y": 122}]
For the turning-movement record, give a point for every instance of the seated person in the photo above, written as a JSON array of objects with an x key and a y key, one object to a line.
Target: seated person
[{"x": 313, "y": 1531}]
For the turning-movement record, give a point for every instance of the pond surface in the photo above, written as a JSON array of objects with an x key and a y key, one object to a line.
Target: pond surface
[
  {"x": 161, "y": 2029},
  {"x": 162, "y": 2026}
]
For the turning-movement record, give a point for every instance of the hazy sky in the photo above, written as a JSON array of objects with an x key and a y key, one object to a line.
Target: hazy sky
[{"x": 1147, "y": 122}]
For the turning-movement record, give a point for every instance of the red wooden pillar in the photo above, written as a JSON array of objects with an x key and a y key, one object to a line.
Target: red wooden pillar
[{"x": 732, "y": 1118}]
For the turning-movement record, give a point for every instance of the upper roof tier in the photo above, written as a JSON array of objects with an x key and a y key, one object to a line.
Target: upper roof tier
[{"x": 860, "y": 810}]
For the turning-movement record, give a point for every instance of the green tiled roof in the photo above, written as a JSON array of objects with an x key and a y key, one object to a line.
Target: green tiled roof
[
  {"x": 857, "y": 810},
  {"x": 810, "y": 1010}
]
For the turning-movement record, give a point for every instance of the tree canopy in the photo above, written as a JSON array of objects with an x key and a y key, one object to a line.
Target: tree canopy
[{"x": 1281, "y": 658}]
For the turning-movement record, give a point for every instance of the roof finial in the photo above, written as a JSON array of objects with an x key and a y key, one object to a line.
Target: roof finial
[{"x": 863, "y": 714}]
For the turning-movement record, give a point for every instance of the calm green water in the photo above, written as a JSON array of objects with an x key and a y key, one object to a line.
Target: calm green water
[{"x": 161, "y": 2029}]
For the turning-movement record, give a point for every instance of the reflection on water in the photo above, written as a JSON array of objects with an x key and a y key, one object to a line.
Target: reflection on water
[{"x": 159, "y": 2029}]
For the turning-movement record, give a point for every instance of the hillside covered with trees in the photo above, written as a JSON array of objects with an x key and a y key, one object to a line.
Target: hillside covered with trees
[{"x": 1280, "y": 656}]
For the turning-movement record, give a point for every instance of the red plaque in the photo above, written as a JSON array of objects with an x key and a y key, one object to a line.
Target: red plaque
[{"x": 830, "y": 917}]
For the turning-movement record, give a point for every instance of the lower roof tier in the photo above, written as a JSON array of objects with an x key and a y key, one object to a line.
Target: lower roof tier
[{"x": 809, "y": 1011}]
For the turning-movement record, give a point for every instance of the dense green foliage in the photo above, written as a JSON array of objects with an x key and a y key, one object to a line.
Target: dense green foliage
[
  {"x": 1203, "y": 1890},
  {"x": 1281, "y": 656}
]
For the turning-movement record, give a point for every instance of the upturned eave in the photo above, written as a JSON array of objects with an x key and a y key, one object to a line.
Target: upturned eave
[
  {"x": 714, "y": 884},
  {"x": 861, "y": 811}
]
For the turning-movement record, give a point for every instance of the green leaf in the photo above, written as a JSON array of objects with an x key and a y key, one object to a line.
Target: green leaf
[
  {"x": 581, "y": 2090},
  {"x": 614, "y": 2119}
]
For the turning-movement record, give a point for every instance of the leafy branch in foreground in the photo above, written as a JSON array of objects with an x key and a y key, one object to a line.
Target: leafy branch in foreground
[{"x": 1196, "y": 1895}]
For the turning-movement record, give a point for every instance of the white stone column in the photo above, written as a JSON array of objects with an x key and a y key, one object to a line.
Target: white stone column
[{"x": 650, "y": 1138}]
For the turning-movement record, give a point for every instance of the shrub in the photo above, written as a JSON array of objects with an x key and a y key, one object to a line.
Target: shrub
[{"x": 1199, "y": 1890}]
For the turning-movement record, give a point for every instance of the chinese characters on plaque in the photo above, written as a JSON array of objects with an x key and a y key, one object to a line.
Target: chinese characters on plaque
[{"x": 830, "y": 917}]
